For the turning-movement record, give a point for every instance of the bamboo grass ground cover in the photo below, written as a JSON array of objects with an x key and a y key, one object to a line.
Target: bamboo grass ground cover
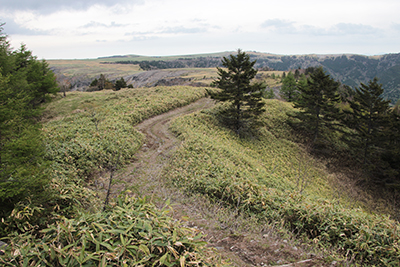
[
  {"x": 131, "y": 233},
  {"x": 262, "y": 176},
  {"x": 85, "y": 133}
]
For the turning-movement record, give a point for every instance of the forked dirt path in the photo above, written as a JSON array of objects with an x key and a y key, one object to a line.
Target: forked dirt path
[{"x": 236, "y": 237}]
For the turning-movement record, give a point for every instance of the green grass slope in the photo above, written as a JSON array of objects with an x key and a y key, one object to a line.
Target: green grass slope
[
  {"x": 86, "y": 133},
  {"x": 273, "y": 177}
]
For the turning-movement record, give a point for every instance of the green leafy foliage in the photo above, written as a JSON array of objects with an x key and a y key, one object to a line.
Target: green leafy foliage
[
  {"x": 369, "y": 239},
  {"x": 79, "y": 147},
  {"x": 25, "y": 83},
  {"x": 132, "y": 233}
]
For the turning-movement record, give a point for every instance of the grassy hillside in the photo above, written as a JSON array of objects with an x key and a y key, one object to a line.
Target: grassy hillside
[
  {"x": 87, "y": 134},
  {"x": 85, "y": 131},
  {"x": 158, "y": 58},
  {"x": 272, "y": 177},
  {"x": 269, "y": 176},
  {"x": 90, "y": 68},
  {"x": 273, "y": 161}
]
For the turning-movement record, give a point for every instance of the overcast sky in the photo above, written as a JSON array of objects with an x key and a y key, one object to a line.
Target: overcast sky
[{"x": 63, "y": 29}]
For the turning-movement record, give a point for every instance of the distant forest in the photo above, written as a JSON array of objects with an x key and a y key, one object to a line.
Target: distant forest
[
  {"x": 200, "y": 62},
  {"x": 350, "y": 70}
]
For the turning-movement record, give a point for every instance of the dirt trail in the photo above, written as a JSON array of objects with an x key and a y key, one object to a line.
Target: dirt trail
[
  {"x": 242, "y": 240},
  {"x": 142, "y": 177}
]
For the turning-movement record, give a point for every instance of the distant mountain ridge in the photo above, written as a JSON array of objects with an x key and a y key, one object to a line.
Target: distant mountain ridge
[{"x": 349, "y": 69}]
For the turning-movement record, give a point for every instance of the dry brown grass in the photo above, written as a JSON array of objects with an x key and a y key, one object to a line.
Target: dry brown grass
[{"x": 92, "y": 68}]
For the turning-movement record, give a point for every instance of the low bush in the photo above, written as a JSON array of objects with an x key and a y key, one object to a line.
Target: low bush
[{"x": 132, "y": 233}]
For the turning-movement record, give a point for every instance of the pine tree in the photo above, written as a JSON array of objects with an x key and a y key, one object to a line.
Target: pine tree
[
  {"x": 391, "y": 150},
  {"x": 289, "y": 87},
  {"x": 244, "y": 98},
  {"x": 317, "y": 102},
  {"x": 25, "y": 83},
  {"x": 94, "y": 83},
  {"x": 368, "y": 117},
  {"x": 119, "y": 84},
  {"x": 102, "y": 82},
  {"x": 297, "y": 74}
]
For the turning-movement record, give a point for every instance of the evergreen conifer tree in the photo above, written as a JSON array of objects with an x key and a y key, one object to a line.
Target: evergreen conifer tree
[
  {"x": 297, "y": 74},
  {"x": 244, "y": 98},
  {"x": 119, "y": 84},
  {"x": 25, "y": 82},
  {"x": 317, "y": 102},
  {"x": 102, "y": 82},
  {"x": 391, "y": 150},
  {"x": 368, "y": 117},
  {"x": 289, "y": 87}
]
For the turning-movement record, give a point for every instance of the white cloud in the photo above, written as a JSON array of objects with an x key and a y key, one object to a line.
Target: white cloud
[
  {"x": 182, "y": 30},
  {"x": 342, "y": 29},
  {"x": 352, "y": 29},
  {"x": 11, "y": 27},
  {"x": 281, "y": 26},
  {"x": 156, "y": 27},
  {"x": 395, "y": 26},
  {"x": 51, "y": 6},
  {"x": 290, "y": 27},
  {"x": 94, "y": 24}
]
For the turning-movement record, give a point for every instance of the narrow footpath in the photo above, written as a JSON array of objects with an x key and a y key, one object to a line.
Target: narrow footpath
[{"x": 234, "y": 236}]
